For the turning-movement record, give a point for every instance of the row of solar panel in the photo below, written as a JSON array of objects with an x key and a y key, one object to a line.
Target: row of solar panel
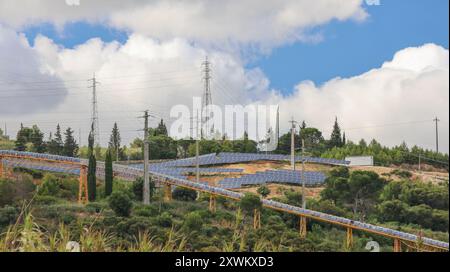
[
  {"x": 227, "y": 158},
  {"x": 181, "y": 181},
  {"x": 39, "y": 155},
  {"x": 319, "y": 215},
  {"x": 274, "y": 176},
  {"x": 42, "y": 167}
]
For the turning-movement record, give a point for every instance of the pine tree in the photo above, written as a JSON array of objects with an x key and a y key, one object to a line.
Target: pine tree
[
  {"x": 37, "y": 139},
  {"x": 59, "y": 144},
  {"x": 344, "y": 140},
  {"x": 70, "y": 147},
  {"x": 21, "y": 142},
  {"x": 114, "y": 142},
  {"x": 108, "y": 174},
  {"x": 161, "y": 129},
  {"x": 303, "y": 125},
  {"x": 23, "y": 137},
  {"x": 336, "y": 138},
  {"x": 92, "y": 168},
  {"x": 55, "y": 145}
]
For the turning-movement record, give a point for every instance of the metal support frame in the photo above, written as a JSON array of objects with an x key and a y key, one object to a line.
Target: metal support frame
[
  {"x": 82, "y": 189},
  {"x": 167, "y": 192},
  {"x": 303, "y": 229},
  {"x": 212, "y": 203},
  {"x": 256, "y": 219},
  {"x": 349, "y": 243},
  {"x": 397, "y": 245}
]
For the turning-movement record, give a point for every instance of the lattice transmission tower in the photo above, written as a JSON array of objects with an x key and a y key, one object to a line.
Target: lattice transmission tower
[
  {"x": 94, "y": 116},
  {"x": 206, "y": 100}
]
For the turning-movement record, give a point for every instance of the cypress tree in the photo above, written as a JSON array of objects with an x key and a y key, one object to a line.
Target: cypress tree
[
  {"x": 336, "y": 138},
  {"x": 70, "y": 147},
  {"x": 92, "y": 167},
  {"x": 108, "y": 174},
  {"x": 114, "y": 142}
]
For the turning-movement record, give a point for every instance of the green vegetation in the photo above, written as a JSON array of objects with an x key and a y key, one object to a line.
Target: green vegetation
[
  {"x": 369, "y": 197},
  {"x": 108, "y": 174},
  {"x": 162, "y": 146},
  {"x": 121, "y": 223}
]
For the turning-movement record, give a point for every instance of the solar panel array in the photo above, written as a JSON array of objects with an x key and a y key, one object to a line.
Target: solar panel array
[
  {"x": 229, "y": 158},
  {"x": 274, "y": 176},
  {"x": 39, "y": 155},
  {"x": 42, "y": 167},
  {"x": 124, "y": 170}
]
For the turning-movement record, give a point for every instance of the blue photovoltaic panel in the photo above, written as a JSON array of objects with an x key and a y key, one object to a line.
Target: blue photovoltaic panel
[{"x": 233, "y": 183}]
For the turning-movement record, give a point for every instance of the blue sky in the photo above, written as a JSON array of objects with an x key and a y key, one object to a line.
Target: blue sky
[{"x": 349, "y": 48}]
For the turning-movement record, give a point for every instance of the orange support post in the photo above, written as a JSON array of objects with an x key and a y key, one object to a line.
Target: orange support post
[
  {"x": 212, "y": 203},
  {"x": 302, "y": 227},
  {"x": 256, "y": 219},
  {"x": 397, "y": 245},
  {"x": 82, "y": 187},
  {"x": 167, "y": 192},
  {"x": 349, "y": 238}
]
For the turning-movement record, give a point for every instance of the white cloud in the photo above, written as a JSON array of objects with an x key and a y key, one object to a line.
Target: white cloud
[
  {"x": 141, "y": 74},
  {"x": 147, "y": 73},
  {"x": 414, "y": 86},
  {"x": 222, "y": 23},
  {"x": 20, "y": 65}
]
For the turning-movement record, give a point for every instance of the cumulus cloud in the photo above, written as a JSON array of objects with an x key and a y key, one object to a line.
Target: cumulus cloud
[
  {"x": 382, "y": 103},
  {"x": 21, "y": 74},
  {"x": 226, "y": 22},
  {"x": 143, "y": 73},
  {"x": 149, "y": 73}
]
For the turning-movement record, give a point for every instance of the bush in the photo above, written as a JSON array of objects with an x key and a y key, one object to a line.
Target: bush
[
  {"x": 184, "y": 194},
  {"x": 250, "y": 202},
  {"x": 45, "y": 200},
  {"x": 50, "y": 186},
  {"x": 120, "y": 203},
  {"x": 8, "y": 215},
  {"x": 12, "y": 191},
  {"x": 193, "y": 221},
  {"x": 164, "y": 220},
  {"x": 264, "y": 191}
]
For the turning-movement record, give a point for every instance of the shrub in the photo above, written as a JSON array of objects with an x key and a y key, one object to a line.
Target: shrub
[
  {"x": 12, "y": 191},
  {"x": 250, "y": 202},
  {"x": 193, "y": 221},
  {"x": 120, "y": 203},
  {"x": 164, "y": 220},
  {"x": 45, "y": 200},
  {"x": 264, "y": 191},
  {"x": 184, "y": 194},
  {"x": 50, "y": 186},
  {"x": 8, "y": 215}
]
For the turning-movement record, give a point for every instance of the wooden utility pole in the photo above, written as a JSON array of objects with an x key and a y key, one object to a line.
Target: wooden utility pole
[
  {"x": 436, "y": 120},
  {"x": 293, "y": 143},
  {"x": 146, "y": 191}
]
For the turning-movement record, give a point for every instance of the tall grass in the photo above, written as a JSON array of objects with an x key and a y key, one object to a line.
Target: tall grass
[{"x": 30, "y": 237}]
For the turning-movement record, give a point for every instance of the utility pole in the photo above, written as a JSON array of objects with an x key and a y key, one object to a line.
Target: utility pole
[
  {"x": 303, "y": 176},
  {"x": 146, "y": 190},
  {"x": 197, "y": 151},
  {"x": 207, "y": 98},
  {"x": 436, "y": 120},
  {"x": 94, "y": 118},
  {"x": 293, "y": 143},
  {"x": 420, "y": 161},
  {"x": 79, "y": 136}
]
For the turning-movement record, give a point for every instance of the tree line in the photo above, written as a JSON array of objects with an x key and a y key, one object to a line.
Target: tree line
[{"x": 162, "y": 146}]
